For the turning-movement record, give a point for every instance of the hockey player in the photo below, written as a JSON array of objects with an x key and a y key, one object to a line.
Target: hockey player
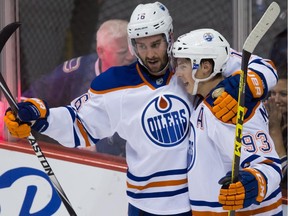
[
  {"x": 145, "y": 103},
  {"x": 202, "y": 58}
]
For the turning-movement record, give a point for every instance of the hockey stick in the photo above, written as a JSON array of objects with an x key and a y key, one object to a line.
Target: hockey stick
[
  {"x": 5, "y": 34},
  {"x": 250, "y": 43}
]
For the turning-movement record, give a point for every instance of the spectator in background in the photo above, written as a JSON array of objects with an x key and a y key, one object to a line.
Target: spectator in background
[
  {"x": 276, "y": 104},
  {"x": 72, "y": 78}
]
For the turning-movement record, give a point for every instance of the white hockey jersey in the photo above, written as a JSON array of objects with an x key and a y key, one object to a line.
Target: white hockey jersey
[
  {"x": 210, "y": 156},
  {"x": 152, "y": 114}
]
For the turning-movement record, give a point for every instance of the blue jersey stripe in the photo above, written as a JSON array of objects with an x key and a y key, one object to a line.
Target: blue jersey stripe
[
  {"x": 205, "y": 203},
  {"x": 162, "y": 173},
  {"x": 157, "y": 194}
]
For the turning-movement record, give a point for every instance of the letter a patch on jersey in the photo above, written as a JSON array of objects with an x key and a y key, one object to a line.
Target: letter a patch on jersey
[{"x": 200, "y": 118}]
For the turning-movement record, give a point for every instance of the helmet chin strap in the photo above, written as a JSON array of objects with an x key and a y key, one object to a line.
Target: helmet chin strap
[
  {"x": 197, "y": 81},
  {"x": 195, "y": 88}
]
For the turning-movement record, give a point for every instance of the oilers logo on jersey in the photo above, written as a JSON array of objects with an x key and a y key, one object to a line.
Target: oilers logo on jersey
[{"x": 165, "y": 121}]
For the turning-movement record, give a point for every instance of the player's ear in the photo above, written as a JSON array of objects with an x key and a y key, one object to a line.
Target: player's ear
[
  {"x": 100, "y": 51},
  {"x": 206, "y": 67}
]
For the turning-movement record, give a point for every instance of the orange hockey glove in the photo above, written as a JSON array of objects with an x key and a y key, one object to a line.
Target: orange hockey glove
[
  {"x": 31, "y": 112},
  {"x": 226, "y": 94},
  {"x": 250, "y": 189},
  {"x": 15, "y": 128}
]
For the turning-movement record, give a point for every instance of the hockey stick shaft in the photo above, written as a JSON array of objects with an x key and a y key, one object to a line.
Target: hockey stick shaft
[
  {"x": 5, "y": 34},
  {"x": 250, "y": 43}
]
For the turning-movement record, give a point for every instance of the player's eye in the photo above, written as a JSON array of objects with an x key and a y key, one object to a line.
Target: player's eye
[
  {"x": 283, "y": 94},
  {"x": 156, "y": 44},
  {"x": 141, "y": 46}
]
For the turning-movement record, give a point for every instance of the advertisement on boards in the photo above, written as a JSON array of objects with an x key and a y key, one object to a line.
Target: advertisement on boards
[{"x": 25, "y": 189}]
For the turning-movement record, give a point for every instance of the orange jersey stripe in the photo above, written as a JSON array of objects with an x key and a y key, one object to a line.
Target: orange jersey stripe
[
  {"x": 243, "y": 213},
  {"x": 145, "y": 82},
  {"x": 83, "y": 133},
  {"x": 158, "y": 184}
]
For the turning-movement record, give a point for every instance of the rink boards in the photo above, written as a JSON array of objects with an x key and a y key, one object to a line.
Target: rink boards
[{"x": 94, "y": 183}]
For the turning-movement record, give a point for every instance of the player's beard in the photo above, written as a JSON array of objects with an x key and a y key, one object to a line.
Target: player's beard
[{"x": 156, "y": 65}]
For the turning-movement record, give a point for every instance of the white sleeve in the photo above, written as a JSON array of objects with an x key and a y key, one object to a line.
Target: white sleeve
[
  {"x": 265, "y": 67},
  {"x": 61, "y": 126},
  {"x": 257, "y": 64},
  {"x": 81, "y": 124}
]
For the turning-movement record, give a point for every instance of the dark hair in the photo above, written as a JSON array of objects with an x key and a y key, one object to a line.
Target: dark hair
[
  {"x": 211, "y": 61},
  {"x": 282, "y": 70},
  {"x": 278, "y": 53}
]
